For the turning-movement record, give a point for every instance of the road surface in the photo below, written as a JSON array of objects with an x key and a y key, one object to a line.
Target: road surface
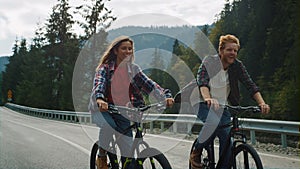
[{"x": 34, "y": 143}]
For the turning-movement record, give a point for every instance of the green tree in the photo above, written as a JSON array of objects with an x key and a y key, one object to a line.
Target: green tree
[
  {"x": 61, "y": 53},
  {"x": 281, "y": 55},
  {"x": 157, "y": 65},
  {"x": 2, "y": 95},
  {"x": 12, "y": 75},
  {"x": 203, "y": 46},
  {"x": 269, "y": 35},
  {"x": 97, "y": 18}
]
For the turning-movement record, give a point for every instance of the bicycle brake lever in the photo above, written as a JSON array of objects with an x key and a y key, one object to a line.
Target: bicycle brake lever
[
  {"x": 256, "y": 109},
  {"x": 113, "y": 109},
  {"x": 161, "y": 106}
]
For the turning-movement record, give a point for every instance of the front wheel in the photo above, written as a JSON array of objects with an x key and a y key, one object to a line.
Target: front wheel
[
  {"x": 204, "y": 156},
  {"x": 152, "y": 158},
  {"x": 245, "y": 157},
  {"x": 112, "y": 162}
]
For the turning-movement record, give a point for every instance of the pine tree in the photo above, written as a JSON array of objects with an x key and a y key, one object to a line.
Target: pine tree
[
  {"x": 97, "y": 18},
  {"x": 62, "y": 51},
  {"x": 12, "y": 75}
]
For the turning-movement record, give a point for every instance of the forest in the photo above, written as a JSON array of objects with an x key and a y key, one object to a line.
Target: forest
[{"x": 42, "y": 73}]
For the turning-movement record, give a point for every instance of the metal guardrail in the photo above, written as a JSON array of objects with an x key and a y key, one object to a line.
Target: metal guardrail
[{"x": 185, "y": 121}]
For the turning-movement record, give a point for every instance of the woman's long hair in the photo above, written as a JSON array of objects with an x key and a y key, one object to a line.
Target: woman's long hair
[{"x": 109, "y": 54}]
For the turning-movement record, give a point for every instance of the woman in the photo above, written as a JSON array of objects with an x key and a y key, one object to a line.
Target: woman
[{"x": 119, "y": 81}]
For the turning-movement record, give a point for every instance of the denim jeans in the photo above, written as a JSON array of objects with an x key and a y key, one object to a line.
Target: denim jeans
[
  {"x": 212, "y": 120},
  {"x": 111, "y": 124}
]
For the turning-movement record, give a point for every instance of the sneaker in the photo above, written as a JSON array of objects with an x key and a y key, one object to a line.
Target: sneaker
[
  {"x": 101, "y": 162},
  {"x": 195, "y": 160}
]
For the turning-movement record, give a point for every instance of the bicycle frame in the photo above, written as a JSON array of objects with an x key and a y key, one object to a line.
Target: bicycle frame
[
  {"x": 141, "y": 154},
  {"x": 138, "y": 138},
  {"x": 231, "y": 143}
]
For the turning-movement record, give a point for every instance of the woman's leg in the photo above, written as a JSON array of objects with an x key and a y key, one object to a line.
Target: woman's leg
[
  {"x": 106, "y": 125},
  {"x": 124, "y": 140}
]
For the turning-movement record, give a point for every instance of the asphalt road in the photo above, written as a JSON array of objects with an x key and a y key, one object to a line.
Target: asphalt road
[{"x": 33, "y": 143}]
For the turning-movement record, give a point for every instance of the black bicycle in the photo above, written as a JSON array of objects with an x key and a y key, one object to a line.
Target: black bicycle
[
  {"x": 243, "y": 155},
  {"x": 145, "y": 157}
]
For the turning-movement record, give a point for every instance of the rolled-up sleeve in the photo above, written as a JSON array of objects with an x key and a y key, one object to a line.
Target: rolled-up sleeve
[
  {"x": 202, "y": 76},
  {"x": 246, "y": 80},
  {"x": 148, "y": 86},
  {"x": 100, "y": 82}
]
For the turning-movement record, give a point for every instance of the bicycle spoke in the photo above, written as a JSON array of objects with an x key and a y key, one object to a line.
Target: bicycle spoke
[{"x": 247, "y": 158}]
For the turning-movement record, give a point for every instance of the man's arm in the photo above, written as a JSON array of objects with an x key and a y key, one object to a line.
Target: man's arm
[
  {"x": 265, "y": 108},
  {"x": 204, "y": 92}
]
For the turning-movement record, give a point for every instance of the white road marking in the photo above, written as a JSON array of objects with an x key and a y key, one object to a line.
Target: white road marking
[
  {"x": 153, "y": 135},
  {"x": 56, "y": 136}
]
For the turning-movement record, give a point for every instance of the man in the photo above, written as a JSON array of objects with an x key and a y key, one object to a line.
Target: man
[{"x": 217, "y": 78}]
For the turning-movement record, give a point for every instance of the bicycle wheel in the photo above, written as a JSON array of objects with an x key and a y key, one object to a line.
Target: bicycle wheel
[
  {"x": 246, "y": 158},
  {"x": 204, "y": 157},
  {"x": 152, "y": 158},
  {"x": 112, "y": 161}
]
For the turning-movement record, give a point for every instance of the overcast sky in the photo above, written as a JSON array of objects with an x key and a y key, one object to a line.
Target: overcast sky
[{"x": 19, "y": 18}]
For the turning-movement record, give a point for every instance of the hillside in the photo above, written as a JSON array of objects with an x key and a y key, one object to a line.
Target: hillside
[
  {"x": 3, "y": 61},
  {"x": 148, "y": 39}
]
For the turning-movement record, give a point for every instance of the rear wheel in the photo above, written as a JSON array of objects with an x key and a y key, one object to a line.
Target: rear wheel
[{"x": 246, "y": 157}]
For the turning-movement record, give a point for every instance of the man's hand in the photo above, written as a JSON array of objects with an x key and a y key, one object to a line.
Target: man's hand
[
  {"x": 264, "y": 108},
  {"x": 212, "y": 102}
]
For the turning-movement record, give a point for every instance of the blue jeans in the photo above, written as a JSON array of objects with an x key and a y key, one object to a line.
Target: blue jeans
[
  {"x": 113, "y": 124},
  {"x": 212, "y": 120}
]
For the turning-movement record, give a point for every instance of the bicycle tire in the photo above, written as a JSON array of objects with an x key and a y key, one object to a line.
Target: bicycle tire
[
  {"x": 204, "y": 157},
  {"x": 112, "y": 158},
  {"x": 153, "y": 159},
  {"x": 246, "y": 157}
]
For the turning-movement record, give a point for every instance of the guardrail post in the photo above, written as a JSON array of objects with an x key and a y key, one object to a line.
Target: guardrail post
[
  {"x": 90, "y": 120},
  {"x": 252, "y": 137},
  {"x": 151, "y": 126},
  {"x": 189, "y": 128},
  {"x": 175, "y": 127},
  {"x": 283, "y": 140},
  {"x": 162, "y": 126}
]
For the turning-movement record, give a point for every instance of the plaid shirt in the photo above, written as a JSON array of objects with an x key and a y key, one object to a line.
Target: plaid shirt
[
  {"x": 140, "y": 84},
  {"x": 237, "y": 73}
]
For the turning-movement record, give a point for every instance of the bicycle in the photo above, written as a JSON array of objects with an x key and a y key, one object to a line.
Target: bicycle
[
  {"x": 145, "y": 157},
  {"x": 243, "y": 155}
]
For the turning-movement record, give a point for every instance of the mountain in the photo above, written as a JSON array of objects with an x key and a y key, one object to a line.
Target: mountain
[
  {"x": 148, "y": 39},
  {"x": 4, "y": 60}
]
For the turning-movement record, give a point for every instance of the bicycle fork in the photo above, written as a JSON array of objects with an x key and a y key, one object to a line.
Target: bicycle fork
[{"x": 209, "y": 161}]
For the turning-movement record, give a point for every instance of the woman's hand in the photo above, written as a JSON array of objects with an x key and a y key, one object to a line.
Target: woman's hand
[
  {"x": 103, "y": 106},
  {"x": 169, "y": 102}
]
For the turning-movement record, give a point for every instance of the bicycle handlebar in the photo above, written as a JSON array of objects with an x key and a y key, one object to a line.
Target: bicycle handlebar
[
  {"x": 117, "y": 109},
  {"x": 239, "y": 109},
  {"x": 254, "y": 109}
]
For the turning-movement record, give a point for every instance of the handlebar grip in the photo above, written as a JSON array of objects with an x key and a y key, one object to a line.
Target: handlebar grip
[
  {"x": 113, "y": 108},
  {"x": 256, "y": 109}
]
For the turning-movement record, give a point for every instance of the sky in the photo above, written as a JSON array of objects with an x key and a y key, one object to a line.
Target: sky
[{"x": 19, "y": 18}]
